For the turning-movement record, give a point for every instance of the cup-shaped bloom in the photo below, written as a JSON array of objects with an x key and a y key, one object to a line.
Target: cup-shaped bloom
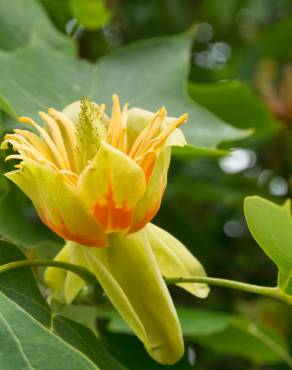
[
  {"x": 97, "y": 182},
  {"x": 130, "y": 271},
  {"x": 89, "y": 175}
]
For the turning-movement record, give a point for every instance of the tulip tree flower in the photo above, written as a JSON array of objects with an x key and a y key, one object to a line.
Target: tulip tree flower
[{"x": 97, "y": 181}]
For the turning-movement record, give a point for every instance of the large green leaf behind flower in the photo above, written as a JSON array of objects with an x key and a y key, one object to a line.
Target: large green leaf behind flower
[
  {"x": 23, "y": 22},
  {"x": 148, "y": 74}
]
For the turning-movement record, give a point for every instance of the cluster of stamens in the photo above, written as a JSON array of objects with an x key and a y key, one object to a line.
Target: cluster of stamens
[{"x": 57, "y": 144}]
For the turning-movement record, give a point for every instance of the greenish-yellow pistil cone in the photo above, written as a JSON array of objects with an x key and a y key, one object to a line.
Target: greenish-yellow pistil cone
[
  {"x": 97, "y": 181},
  {"x": 90, "y": 132}
]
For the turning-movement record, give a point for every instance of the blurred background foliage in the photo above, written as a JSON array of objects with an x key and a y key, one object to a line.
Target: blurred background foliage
[{"x": 240, "y": 70}]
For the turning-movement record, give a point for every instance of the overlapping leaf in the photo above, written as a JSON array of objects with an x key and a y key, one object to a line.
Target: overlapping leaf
[{"x": 32, "y": 337}]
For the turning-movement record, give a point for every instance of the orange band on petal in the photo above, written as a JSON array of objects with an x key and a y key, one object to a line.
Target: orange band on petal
[
  {"x": 147, "y": 218},
  {"x": 112, "y": 217},
  {"x": 62, "y": 230}
]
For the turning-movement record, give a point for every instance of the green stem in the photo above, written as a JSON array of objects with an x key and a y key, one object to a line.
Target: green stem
[
  {"x": 85, "y": 274},
  {"x": 90, "y": 278},
  {"x": 273, "y": 292}
]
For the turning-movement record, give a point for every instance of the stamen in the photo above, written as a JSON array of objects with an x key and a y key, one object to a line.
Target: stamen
[
  {"x": 147, "y": 147},
  {"x": 56, "y": 136},
  {"x": 15, "y": 156},
  {"x": 101, "y": 110},
  {"x": 23, "y": 157},
  {"x": 69, "y": 175},
  {"x": 46, "y": 137},
  {"x": 115, "y": 123},
  {"x": 20, "y": 144},
  {"x": 150, "y": 130},
  {"x": 35, "y": 141},
  {"x": 123, "y": 140},
  {"x": 161, "y": 138},
  {"x": 147, "y": 162},
  {"x": 68, "y": 130}
]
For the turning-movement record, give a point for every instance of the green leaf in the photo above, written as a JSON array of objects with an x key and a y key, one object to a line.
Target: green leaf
[
  {"x": 153, "y": 73},
  {"x": 82, "y": 338},
  {"x": 193, "y": 321},
  {"x": 131, "y": 352},
  {"x": 271, "y": 226},
  {"x": 259, "y": 344},
  {"x": 274, "y": 41},
  {"x": 271, "y": 42},
  {"x": 85, "y": 315},
  {"x": 20, "y": 286},
  {"x": 92, "y": 14},
  {"x": 227, "y": 100},
  {"x": 230, "y": 334},
  {"x": 31, "y": 334},
  {"x": 23, "y": 22},
  {"x": 222, "y": 332},
  {"x": 199, "y": 322},
  {"x": 148, "y": 74},
  {"x": 26, "y": 344}
]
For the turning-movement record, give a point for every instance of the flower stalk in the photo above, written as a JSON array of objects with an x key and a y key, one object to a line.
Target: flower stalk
[{"x": 82, "y": 272}]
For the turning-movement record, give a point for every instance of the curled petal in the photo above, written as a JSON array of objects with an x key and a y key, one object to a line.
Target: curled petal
[
  {"x": 138, "y": 119},
  {"x": 65, "y": 285},
  {"x": 149, "y": 204},
  {"x": 129, "y": 274},
  {"x": 73, "y": 283},
  {"x": 111, "y": 185},
  {"x": 175, "y": 260},
  {"x": 55, "y": 277},
  {"x": 57, "y": 203},
  {"x": 176, "y": 138},
  {"x": 72, "y": 111}
]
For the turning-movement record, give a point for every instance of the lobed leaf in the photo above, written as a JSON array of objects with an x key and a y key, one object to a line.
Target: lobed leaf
[
  {"x": 147, "y": 74},
  {"x": 24, "y": 22}
]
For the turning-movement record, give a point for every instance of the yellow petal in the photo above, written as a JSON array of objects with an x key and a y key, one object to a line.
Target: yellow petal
[
  {"x": 98, "y": 263},
  {"x": 65, "y": 285},
  {"x": 57, "y": 203},
  {"x": 73, "y": 283},
  {"x": 175, "y": 260},
  {"x": 111, "y": 185},
  {"x": 72, "y": 111},
  {"x": 176, "y": 138},
  {"x": 148, "y": 206},
  {"x": 55, "y": 277},
  {"x": 129, "y": 274},
  {"x": 138, "y": 120}
]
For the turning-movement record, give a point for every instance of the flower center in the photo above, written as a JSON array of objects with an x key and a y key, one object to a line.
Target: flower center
[{"x": 69, "y": 148}]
